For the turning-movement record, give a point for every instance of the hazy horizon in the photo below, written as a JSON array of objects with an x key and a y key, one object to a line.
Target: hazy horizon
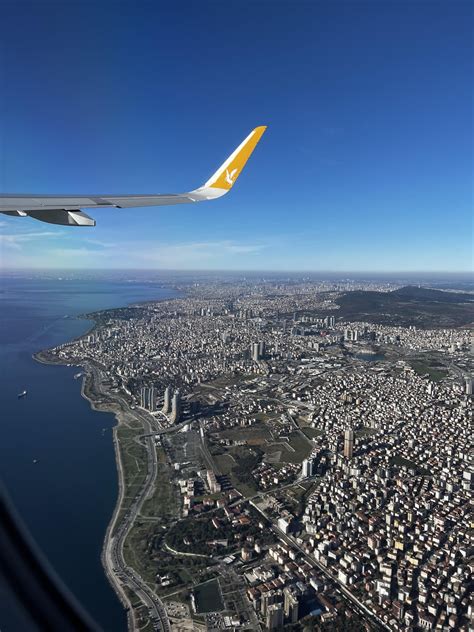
[{"x": 439, "y": 274}]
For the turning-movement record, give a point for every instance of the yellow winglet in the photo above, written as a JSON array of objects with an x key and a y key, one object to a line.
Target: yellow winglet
[{"x": 227, "y": 174}]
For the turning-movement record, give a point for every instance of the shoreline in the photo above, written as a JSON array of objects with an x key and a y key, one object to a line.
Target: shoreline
[
  {"x": 91, "y": 384},
  {"x": 107, "y": 408}
]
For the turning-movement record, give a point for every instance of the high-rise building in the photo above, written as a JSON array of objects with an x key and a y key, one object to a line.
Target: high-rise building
[
  {"x": 307, "y": 468},
  {"x": 255, "y": 352},
  {"x": 274, "y": 616},
  {"x": 213, "y": 483},
  {"x": 468, "y": 385},
  {"x": 348, "y": 443},
  {"x": 147, "y": 398},
  {"x": 291, "y": 605},
  {"x": 261, "y": 349},
  {"x": 167, "y": 400},
  {"x": 269, "y": 597},
  {"x": 176, "y": 407}
]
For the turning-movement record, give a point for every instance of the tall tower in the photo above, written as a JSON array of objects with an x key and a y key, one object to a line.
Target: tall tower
[
  {"x": 348, "y": 443},
  {"x": 291, "y": 605},
  {"x": 255, "y": 352},
  {"x": 176, "y": 407},
  {"x": 275, "y": 616},
  {"x": 307, "y": 468},
  {"x": 468, "y": 385},
  {"x": 167, "y": 401},
  {"x": 152, "y": 399}
]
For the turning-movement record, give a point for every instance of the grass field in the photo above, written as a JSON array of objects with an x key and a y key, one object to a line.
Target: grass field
[
  {"x": 425, "y": 367},
  {"x": 165, "y": 501},
  {"x": 134, "y": 463},
  {"x": 293, "y": 451},
  {"x": 136, "y": 550},
  {"x": 133, "y": 454},
  {"x": 259, "y": 433},
  {"x": 301, "y": 448},
  {"x": 208, "y": 597},
  {"x": 311, "y": 433},
  {"x": 225, "y": 463}
]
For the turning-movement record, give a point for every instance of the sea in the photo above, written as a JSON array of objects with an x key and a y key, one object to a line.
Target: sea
[{"x": 67, "y": 497}]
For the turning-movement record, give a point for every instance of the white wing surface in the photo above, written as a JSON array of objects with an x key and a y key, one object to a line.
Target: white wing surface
[{"x": 68, "y": 209}]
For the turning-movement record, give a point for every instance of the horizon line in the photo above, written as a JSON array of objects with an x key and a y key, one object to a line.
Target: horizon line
[{"x": 238, "y": 270}]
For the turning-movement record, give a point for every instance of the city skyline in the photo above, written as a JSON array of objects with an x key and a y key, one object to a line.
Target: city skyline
[{"x": 366, "y": 163}]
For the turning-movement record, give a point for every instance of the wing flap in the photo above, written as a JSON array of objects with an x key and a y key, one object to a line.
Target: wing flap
[{"x": 63, "y": 217}]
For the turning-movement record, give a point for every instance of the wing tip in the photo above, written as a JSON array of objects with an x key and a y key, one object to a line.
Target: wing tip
[{"x": 225, "y": 177}]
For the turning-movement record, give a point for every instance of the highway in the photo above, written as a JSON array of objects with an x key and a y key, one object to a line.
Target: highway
[{"x": 119, "y": 573}]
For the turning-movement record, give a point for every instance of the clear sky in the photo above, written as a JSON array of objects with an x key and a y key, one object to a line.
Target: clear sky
[{"x": 366, "y": 163}]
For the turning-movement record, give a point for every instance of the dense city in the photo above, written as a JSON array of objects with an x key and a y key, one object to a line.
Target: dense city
[{"x": 282, "y": 466}]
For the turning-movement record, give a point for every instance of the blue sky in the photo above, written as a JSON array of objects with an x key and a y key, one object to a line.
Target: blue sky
[{"x": 366, "y": 163}]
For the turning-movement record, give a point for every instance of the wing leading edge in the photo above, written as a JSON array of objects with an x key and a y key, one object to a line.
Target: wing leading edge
[{"x": 67, "y": 209}]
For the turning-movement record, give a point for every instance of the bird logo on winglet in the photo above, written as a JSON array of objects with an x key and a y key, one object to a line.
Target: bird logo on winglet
[{"x": 230, "y": 177}]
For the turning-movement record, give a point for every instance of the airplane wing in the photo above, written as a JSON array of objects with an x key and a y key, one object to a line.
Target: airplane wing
[{"x": 67, "y": 209}]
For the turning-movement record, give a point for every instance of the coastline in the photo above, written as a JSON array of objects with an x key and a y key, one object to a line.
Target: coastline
[
  {"x": 88, "y": 377},
  {"x": 105, "y": 554},
  {"x": 127, "y": 585}
]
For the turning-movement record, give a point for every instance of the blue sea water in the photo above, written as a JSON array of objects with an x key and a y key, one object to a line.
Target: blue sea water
[{"x": 67, "y": 498}]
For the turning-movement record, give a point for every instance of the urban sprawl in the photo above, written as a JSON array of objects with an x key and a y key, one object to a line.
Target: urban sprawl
[{"x": 282, "y": 467}]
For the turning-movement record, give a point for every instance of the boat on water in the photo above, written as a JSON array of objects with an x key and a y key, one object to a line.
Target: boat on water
[
  {"x": 22, "y": 394},
  {"x": 78, "y": 375}
]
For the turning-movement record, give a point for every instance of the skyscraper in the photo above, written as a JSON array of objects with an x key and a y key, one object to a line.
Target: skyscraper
[
  {"x": 167, "y": 400},
  {"x": 275, "y": 616},
  {"x": 255, "y": 352},
  {"x": 468, "y": 385},
  {"x": 307, "y": 468},
  {"x": 176, "y": 407},
  {"x": 291, "y": 604},
  {"x": 348, "y": 443}
]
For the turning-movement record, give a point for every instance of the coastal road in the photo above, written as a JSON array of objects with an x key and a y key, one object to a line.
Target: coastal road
[
  {"x": 114, "y": 557},
  {"x": 118, "y": 571}
]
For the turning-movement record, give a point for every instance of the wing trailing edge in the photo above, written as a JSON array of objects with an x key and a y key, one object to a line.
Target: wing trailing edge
[{"x": 67, "y": 210}]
